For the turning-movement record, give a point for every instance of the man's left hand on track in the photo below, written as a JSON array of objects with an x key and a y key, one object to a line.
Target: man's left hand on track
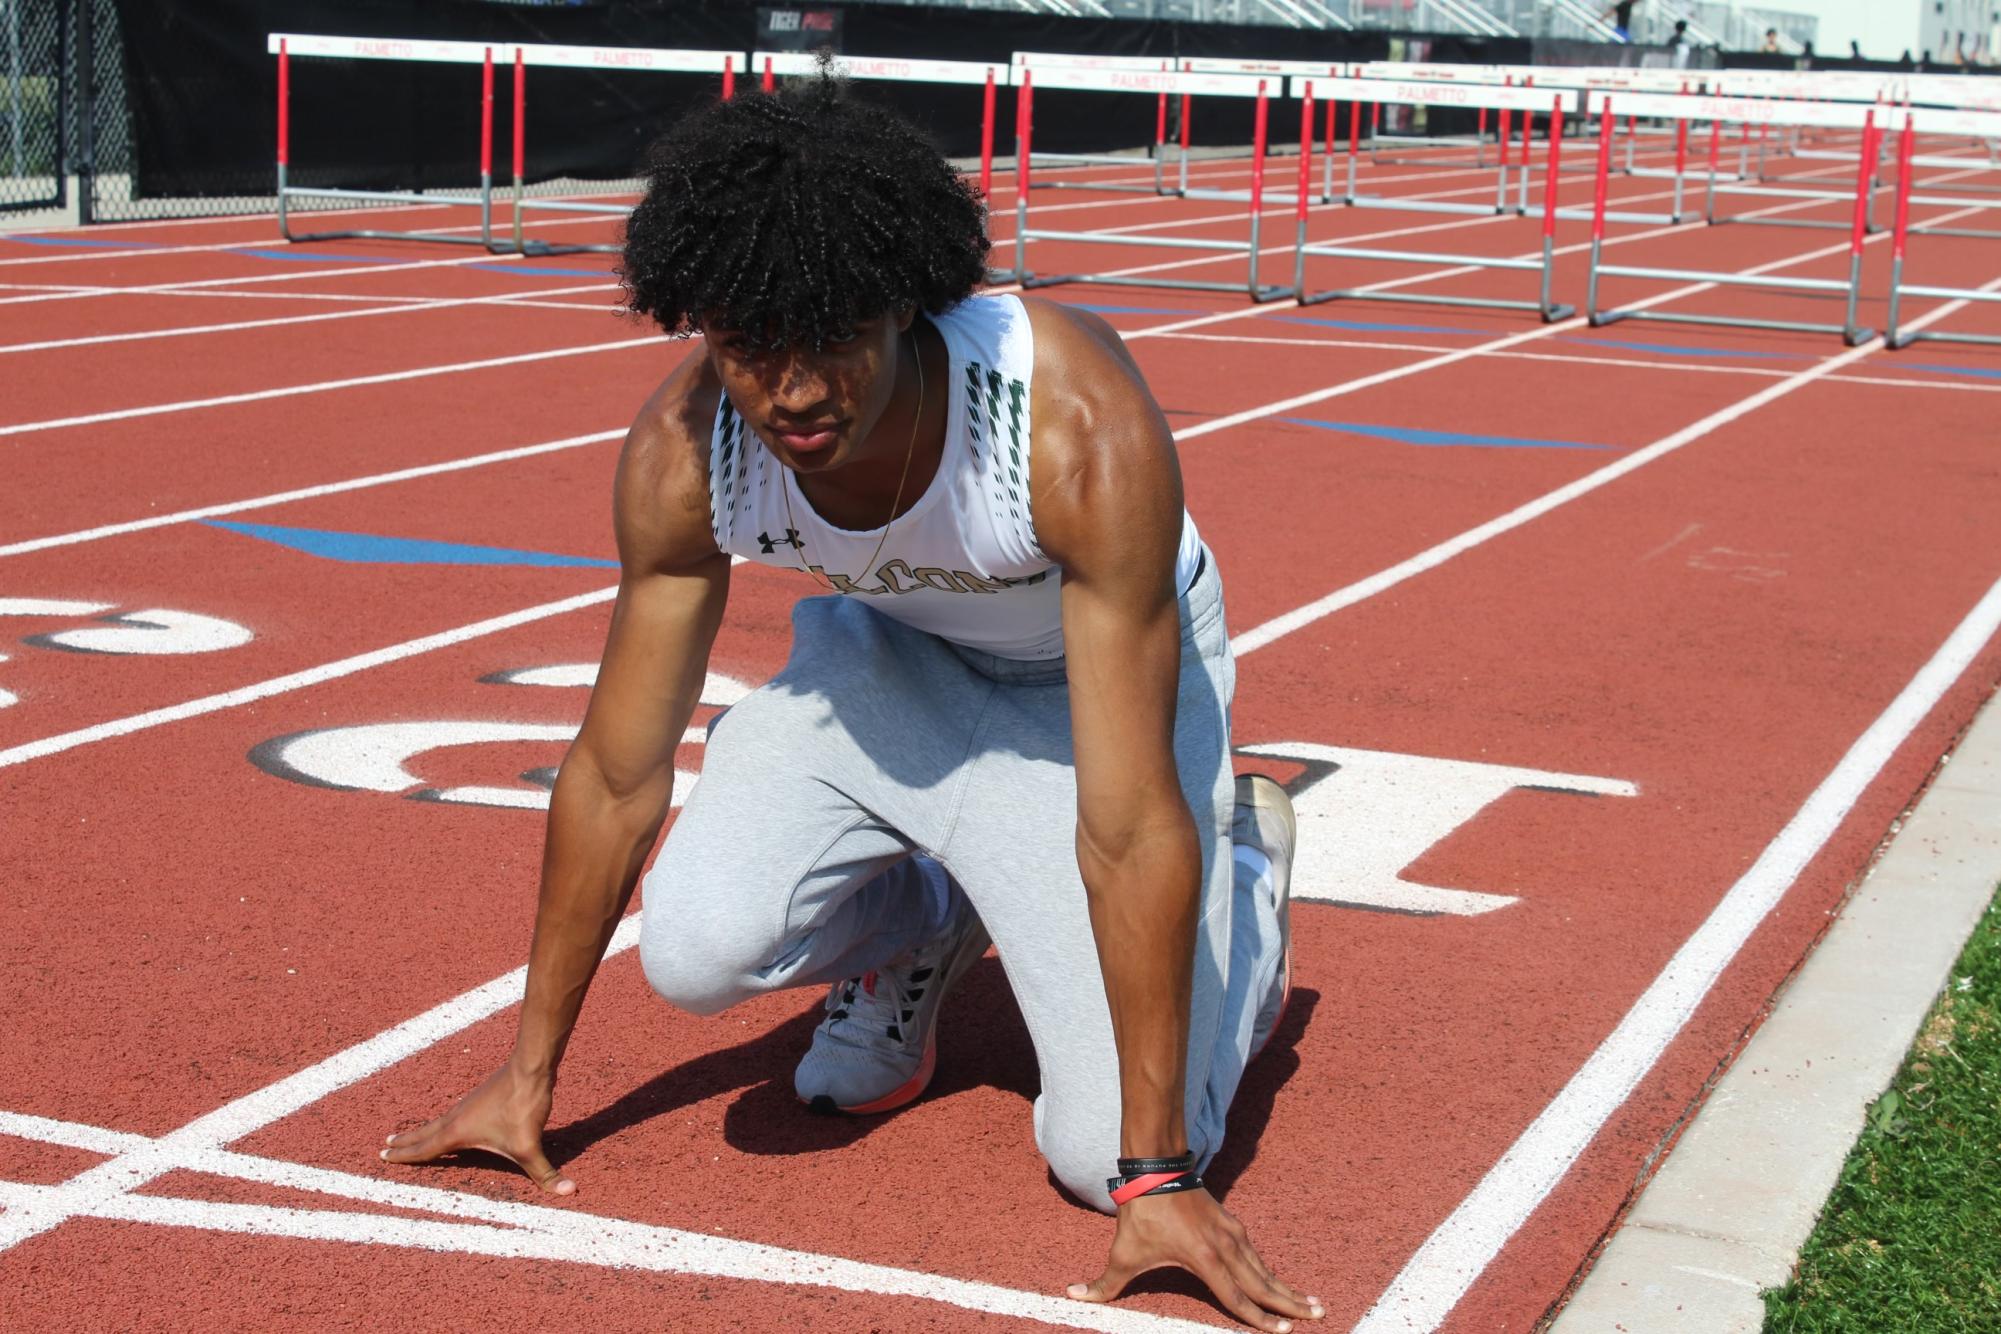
[{"x": 1190, "y": 1230}]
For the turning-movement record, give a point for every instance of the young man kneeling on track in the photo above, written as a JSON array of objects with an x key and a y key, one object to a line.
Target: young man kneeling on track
[{"x": 1024, "y": 622}]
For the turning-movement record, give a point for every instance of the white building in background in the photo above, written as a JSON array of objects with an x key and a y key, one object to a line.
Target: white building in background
[{"x": 1885, "y": 29}]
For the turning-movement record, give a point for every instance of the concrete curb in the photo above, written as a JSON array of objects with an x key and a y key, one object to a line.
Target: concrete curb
[{"x": 1737, "y": 1197}]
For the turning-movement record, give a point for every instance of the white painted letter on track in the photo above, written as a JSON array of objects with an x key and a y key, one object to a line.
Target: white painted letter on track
[{"x": 1365, "y": 815}]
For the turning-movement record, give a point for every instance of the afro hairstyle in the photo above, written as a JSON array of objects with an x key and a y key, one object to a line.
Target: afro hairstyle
[{"x": 794, "y": 216}]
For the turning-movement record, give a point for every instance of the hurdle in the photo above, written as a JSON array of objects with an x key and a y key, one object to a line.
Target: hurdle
[
  {"x": 314, "y": 46},
  {"x": 1359, "y": 92},
  {"x": 1957, "y": 123},
  {"x": 643, "y": 59},
  {"x": 1504, "y": 99},
  {"x": 1021, "y": 63},
  {"x": 1768, "y": 113},
  {"x": 1163, "y": 82},
  {"x": 1849, "y": 330},
  {"x": 1894, "y": 334},
  {"x": 987, "y": 75}
]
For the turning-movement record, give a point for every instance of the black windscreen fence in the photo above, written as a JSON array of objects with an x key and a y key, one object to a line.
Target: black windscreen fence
[{"x": 202, "y": 87}]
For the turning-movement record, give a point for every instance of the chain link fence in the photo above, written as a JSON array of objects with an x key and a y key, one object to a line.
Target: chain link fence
[{"x": 34, "y": 79}]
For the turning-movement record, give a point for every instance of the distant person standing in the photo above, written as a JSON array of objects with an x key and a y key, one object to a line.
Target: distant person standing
[
  {"x": 1680, "y": 46},
  {"x": 1854, "y": 49},
  {"x": 1771, "y": 46},
  {"x": 1621, "y": 15}
]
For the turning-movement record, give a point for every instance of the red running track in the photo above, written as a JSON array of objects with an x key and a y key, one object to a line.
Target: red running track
[{"x": 1554, "y": 631}]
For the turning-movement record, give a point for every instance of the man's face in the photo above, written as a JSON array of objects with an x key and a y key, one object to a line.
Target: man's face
[{"x": 815, "y": 410}]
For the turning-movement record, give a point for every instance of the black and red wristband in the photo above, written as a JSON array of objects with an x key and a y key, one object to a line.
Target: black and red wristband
[{"x": 1152, "y": 1176}]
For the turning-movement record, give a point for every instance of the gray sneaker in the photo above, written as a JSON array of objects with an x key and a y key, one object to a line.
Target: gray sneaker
[
  {"x": 1264, "y": 820},
  {"x": 878, "y": 1046}
]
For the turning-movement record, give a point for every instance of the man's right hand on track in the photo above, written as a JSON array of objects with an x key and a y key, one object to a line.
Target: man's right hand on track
[{"x": 504, "y": 1115}]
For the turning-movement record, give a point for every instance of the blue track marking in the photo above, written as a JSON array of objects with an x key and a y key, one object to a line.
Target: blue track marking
[
  {"x": 312, "y": 257},
  {"x": 531, "y": 271},
  {"x": 372, "y": 549},
  {"x": 1373, "y": 326},
  {"x": 1683, "y": 350},
  {"x": 80, "y": 241},
  {"x": 1405, "y": 435},
  {"x": 1979, "y": 372},
  {"x": 1135, "y": 310}
]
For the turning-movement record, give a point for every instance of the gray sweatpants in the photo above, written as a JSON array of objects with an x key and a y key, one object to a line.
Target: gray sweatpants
[{"x": 790, "y": 864}]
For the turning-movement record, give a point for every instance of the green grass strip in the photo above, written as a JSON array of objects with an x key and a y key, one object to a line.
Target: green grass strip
[{"x": 1911, "y": 1237}]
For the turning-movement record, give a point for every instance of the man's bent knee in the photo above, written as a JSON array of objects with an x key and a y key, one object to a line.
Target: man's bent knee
[
  {"x": 689, "y": 976},
  {"x": 1079, "y": 1160}
]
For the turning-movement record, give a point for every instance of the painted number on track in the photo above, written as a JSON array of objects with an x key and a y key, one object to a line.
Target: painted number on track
[
  {"x": 377, "y": 757},
  {"x": 149, "y": 632}
]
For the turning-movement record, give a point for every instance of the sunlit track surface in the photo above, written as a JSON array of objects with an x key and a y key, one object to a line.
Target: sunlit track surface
[{"x": 1598, "y": 661}]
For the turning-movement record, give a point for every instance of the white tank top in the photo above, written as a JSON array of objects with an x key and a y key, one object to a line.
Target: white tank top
[{"x": 963, "y": 562}]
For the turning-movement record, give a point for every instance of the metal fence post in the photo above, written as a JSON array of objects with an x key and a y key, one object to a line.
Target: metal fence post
[{"x": 85, "y": 54}]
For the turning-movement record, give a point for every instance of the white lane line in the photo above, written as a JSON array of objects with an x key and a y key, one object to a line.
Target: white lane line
[
  {"x": 246, "y": 280},
  {"x": 1459, "y": 1250},
  {"x": 225, "y": 400},
  {"x": 300, "y": 680},
  {"x": 271, "y": 241},
  {"x": 523, "y": 1231},
  {"x": 1173, "y": 327},
  {"x": 1462, "y": 1247},
  {"x": 307, "y": 493},
  {"x": 276, "y": 321},
  {"x": 1298, "y": 619},
  {"x": 1582, "y": 359},
  {"x": 96, "y": 1188},
  {"x": 327, "y": 386}
]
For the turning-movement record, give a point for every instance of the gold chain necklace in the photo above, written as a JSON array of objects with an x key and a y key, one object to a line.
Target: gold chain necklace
[{"x": 909, "y": 452}]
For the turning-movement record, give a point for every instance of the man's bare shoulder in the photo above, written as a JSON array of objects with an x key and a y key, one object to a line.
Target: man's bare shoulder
[
  {"x": 661, "y": 497},
  {"x": 1091, "y": 404},
  {"x": 1100, "y": 439}
]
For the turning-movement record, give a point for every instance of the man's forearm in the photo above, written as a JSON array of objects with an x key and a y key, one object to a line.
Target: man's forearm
[
  {"x": 1145, "y": 898},
  {"x": 597, "y": 843}
]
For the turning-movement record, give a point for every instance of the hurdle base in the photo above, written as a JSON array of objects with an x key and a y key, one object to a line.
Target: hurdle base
[
  {"x": 550, "y": 249},
  {"x": 299, "y": 237},
  {"x": 1904, "y": 340},
  {"x": 288, "y": 193},
  {"x": 1420, "y": 299},
  {"x": 1261, "y": 293},
  {"x": 1808, "y": 224},
  {"x": 1853, "y": 337}
]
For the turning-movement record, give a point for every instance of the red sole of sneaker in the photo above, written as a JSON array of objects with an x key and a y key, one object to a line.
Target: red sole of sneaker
[{"x": 907, "y": 1092}]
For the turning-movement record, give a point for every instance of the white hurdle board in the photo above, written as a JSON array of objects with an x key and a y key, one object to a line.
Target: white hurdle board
[
  {"x": 1074, "y": 79},
  {"x": 659, "y": 60},
  {"x": 1413, "y": 92},
  {"x": 790, "y": 63},
  {"x": 1823, "y": 115},
  {"x": 1318, "y": 69},
  {"x": 1039, "y": 60}
]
